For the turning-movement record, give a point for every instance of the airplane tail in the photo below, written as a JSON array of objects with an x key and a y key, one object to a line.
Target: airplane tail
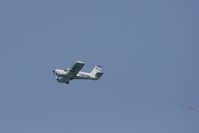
[{"x": 97, "y": 72}]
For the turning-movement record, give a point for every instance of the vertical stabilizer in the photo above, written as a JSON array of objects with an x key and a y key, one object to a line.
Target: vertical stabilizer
[{"x": 97, "y": 72}]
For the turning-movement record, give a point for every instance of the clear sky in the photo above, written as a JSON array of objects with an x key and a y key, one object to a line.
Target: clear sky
[{"x": 148, "y": 50}]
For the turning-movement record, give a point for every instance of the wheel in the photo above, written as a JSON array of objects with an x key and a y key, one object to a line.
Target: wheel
[{"x": 67, "y": 82}]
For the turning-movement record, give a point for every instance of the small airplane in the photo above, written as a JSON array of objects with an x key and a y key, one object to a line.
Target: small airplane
[{"x": 64, "y": 76}]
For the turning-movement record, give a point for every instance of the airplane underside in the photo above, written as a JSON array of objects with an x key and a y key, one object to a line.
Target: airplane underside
[{"x": 67, "y": 80}]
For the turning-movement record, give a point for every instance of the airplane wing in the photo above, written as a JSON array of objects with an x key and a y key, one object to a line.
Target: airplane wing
[{"x": 75, "y": 69}]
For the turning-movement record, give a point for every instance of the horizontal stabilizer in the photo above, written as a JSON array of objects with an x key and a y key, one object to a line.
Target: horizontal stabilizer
[
  {"x": 97, "y": 72},
  {"x": 98, "y": 75}
]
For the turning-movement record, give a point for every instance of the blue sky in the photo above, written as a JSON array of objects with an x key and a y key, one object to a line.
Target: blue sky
[{"x": 148, "y": 50}]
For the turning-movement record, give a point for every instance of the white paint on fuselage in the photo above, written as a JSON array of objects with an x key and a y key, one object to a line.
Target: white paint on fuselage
[
  {"x": 85, "y": 75},
  {"x": 59, "y": 73}
]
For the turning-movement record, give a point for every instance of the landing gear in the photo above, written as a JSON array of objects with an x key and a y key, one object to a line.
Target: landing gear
[{"x": 67, "y": 82}]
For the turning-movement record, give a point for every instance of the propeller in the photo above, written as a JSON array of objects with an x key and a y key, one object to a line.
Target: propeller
[{"x": 54, "y": 75}]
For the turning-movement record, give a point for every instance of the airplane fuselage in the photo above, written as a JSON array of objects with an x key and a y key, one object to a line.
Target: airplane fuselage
[{"x": 62, "y": 76}]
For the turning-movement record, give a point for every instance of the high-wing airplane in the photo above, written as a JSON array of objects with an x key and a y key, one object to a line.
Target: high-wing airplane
[{"x": 64, "y": 76}]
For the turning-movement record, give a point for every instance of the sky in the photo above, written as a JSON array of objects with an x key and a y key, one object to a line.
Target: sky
[{"x": 149, "y": 54}]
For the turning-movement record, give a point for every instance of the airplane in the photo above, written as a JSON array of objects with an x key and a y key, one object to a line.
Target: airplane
[{"x": 64, "y": 76}]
